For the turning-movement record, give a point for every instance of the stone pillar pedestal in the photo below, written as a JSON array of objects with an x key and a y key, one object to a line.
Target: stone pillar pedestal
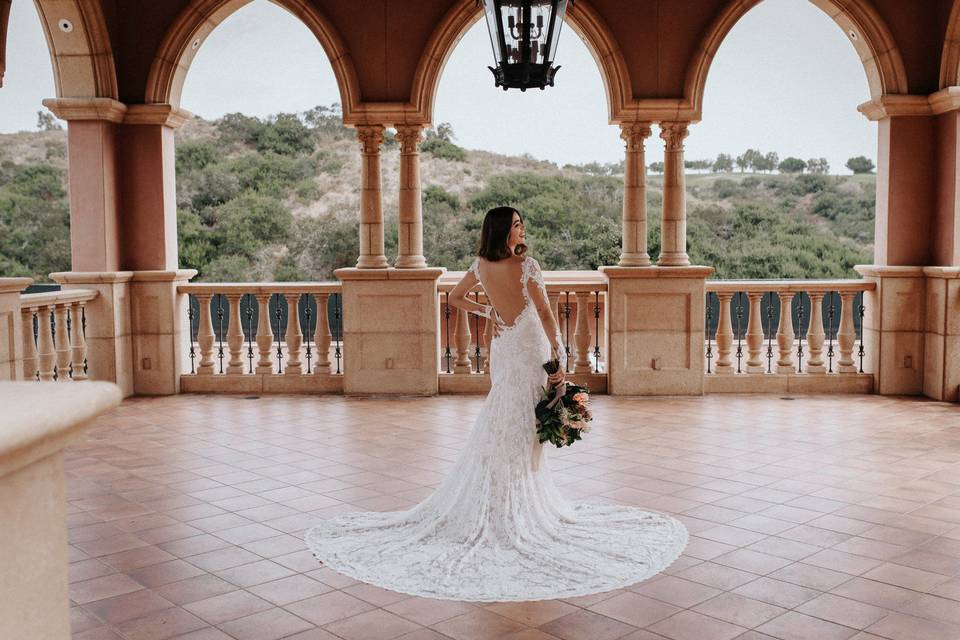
[
  {"x": 391, "y": 336},
  {"x": 11, "y": 328},
  {"x": 893, "y": 328},
  {"x": 109, "y": 350},
  {"x": 655, "y": 320},
  {"x": 34, "y": 596},
  {"x": 941, "y": 349},
  {"x": 160, "y": 335}
]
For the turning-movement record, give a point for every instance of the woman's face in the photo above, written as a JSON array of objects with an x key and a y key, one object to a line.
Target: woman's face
[{"x": 517, "y": 235}]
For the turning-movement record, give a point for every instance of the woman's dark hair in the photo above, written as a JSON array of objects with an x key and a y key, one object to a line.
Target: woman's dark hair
[{"x": 494, "y": 233}]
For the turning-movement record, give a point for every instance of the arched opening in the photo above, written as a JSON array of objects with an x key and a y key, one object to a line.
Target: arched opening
[
  {"x": 34, "y": 205},
  {"x": 781, "y": 180},
  {"x": 553, "y": 154},
  {"x": 265, "y": 169}
]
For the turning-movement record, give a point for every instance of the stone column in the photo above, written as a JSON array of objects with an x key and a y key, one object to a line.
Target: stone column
[
  {"x": 673, "y": 229},
  {"x": 148, "y": 186},
  {"x": 410, "y": 251},
  {"x": 94, "y": 180},
  {"x": 634, "y": 247},
  {"x": 371, "y": 200}
]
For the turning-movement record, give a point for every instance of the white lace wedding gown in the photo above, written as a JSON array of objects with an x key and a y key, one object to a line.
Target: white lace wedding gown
[{"x": 495, "y": 529}]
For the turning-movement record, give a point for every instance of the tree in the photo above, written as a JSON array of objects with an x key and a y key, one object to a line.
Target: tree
[
  {"x": 656, "y": 167},
  {"x": 792, "y": 165},
  {"x": 47, "y": 122},
  {"x": 743, "y": 162},
  {"x": 818, "y": 166},
  {"x": 723, "y": 163},
  {"x": 770, "y": 161},
  {"x": 860, "y": 164}
]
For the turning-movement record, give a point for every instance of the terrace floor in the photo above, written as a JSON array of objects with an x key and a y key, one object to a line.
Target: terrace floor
[{"x": 824, "y": 517}]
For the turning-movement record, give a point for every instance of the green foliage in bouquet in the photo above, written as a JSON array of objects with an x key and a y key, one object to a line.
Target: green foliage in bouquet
[{"x": 560, "y": 421}]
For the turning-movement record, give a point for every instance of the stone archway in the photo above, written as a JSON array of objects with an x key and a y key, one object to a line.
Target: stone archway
[
  {"x": 864, "y": 27},
  {"x": 581, "y": 17},
  {"x": 182, "y": 41},
  {"x": 950, "y": 60},
  {"x": 80, "y": 48}
]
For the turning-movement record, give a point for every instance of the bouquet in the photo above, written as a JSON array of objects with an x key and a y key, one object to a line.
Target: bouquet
[{"x": 562, "y": 415}]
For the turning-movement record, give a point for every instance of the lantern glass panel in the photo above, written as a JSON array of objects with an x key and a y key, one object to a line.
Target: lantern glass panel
[
  {"x": 490, "y": 13},
  {"x": 511, "y": 17},
  {"x": 555, "y": 35},
  {"x": 541, "y": 12}
]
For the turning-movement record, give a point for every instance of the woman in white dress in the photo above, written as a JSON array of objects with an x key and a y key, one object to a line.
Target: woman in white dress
[{"x": 496, "y": 528}]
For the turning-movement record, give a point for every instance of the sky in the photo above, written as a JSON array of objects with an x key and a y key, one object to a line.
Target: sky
[{"x": 785, "y": 79}]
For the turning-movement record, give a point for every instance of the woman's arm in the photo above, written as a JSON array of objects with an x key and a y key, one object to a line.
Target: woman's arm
[
  {"x": 537, "y": 290},
  {"x": 458, "y": 296}
]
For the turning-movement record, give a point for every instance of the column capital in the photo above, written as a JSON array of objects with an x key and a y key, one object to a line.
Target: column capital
[
  {"x": 410, "y": 136},
  {"x": 370, "y": 137},
  {"x": 634, "y": 133},
  {"x": 106, "y": 109},
  {"x": 165, "y": 115},
  {"x": 673, "y": 134}
]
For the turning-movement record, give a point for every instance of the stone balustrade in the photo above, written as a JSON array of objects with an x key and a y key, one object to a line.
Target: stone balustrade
[
  {"x": 53, "y": 328},
  {"x": 264, "y": 337},
  {"x": 578, "y": 301},
  {"x": 785, "y": 335}
]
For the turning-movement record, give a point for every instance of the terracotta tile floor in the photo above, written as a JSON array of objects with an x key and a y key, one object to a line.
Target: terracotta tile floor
[{"x": 816, "y": 517}]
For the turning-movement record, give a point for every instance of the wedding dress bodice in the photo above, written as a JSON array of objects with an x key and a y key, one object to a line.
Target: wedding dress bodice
[{"x": 495, "y": 529}]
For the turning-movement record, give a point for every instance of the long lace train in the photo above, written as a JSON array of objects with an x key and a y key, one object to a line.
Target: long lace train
[{"x": 495, "y": 529}]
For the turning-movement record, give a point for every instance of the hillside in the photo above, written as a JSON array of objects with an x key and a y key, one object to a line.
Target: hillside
[{"x": 278, "y": 199}]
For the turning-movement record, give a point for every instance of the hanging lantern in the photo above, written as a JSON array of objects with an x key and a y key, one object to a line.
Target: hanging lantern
[{"x": 524, "y": 36}]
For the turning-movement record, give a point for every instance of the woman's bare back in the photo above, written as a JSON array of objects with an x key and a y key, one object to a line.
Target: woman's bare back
[{"x": 502, "y": 282}]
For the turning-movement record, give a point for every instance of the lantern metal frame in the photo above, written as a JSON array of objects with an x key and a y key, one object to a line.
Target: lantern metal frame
[{"x": 524, "y": 73}]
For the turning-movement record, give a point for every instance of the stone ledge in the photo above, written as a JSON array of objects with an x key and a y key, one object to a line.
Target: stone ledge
[
  {"x": 40, "y": 418},
  {"x": 262, "y": 383},
  {"x": 389, "y": 273},
  {"x": 692, "y": 271},
  {"x": 805, "y": 383},
  {"x": 884, "y": 271},
  {"x": 479, "y": 383}
]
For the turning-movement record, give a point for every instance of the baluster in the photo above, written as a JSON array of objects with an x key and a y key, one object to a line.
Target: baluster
[
  {"x": 815, "y": 335},
  {"x": 278, "y": 313},
  {"x": 264, "y": 334},
  {"x": 477, "y": 333},
  {"x": 581, "y": 334},
  {"x": 294, "y": 333},
  {"x": 831, "y": 334},
  {"x": 192, "y": 354},
  {"x": 707, "y": 329},
  {"x": 567, "y": 311},
  {"x": 447, "y": 312},
  {"x": 785, "y": 333},
  {"x": 770, "y": 332},
  {"x": 205, "y": 335},
  {"x": 554, "y": 298},
  {"x": 861, "y": 308},
  {"x": 249, "y": 331},
  {"x": 801, "y": 332},
  {"x": 61, "y": 340},
  {"x": 219, "y": 332},
  {"x": 45, "y": 348},
  {"x": 596, "y": 332},
  {"x": 338, "y": 326},
  {"x": 754, "y": 333},
  {"x": 462, "y": 340},
  {"x": 78, "y": 342},
  {"x": 321, "y": 335},
  {"x": 724, "y": 335},
  {"x": 29, "y": 345},
  {"x": 739, "y": 331},
  {"x": 847, "y": 335},
  {"x": 235, "y": 334}
]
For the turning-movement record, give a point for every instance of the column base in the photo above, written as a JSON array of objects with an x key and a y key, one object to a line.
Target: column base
[
  {"x": 893, "y": 328},
  {"x": 634, "y": 260},
  {"x": 655, "y": 330},
  {"x": 941, "y": 352},
  {"x": 391, "y": 337},
  {"x": 411, "y": 262},
  {"x": 673, "y": 260},
  {"x": 109, "y": 343},
  {"x": 372, "y": 262}
]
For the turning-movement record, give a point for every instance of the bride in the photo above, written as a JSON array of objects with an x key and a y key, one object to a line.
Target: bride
[{"x": 496, "y": 528}]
